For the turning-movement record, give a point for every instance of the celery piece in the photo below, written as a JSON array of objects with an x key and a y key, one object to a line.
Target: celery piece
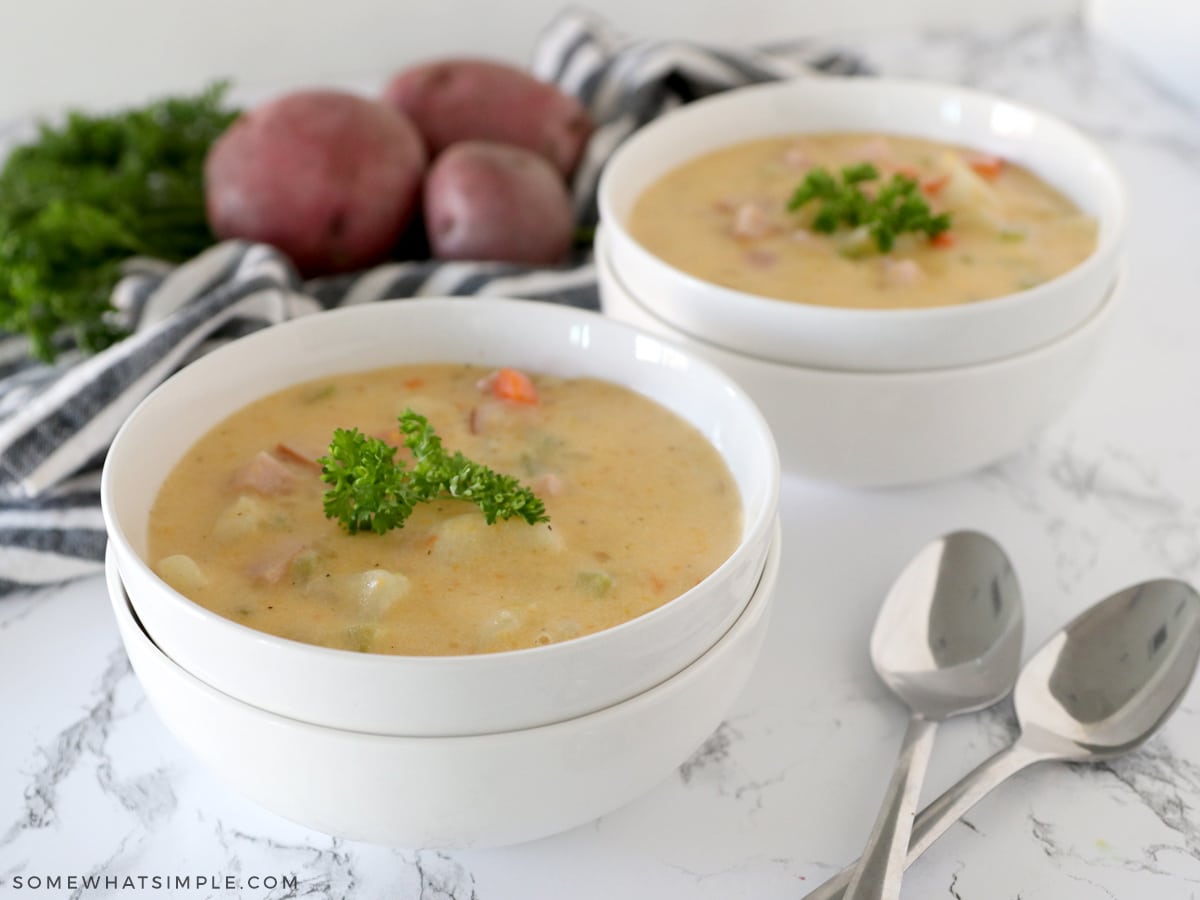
[
  {"x": 594, "y": 582},
  {"x": 302, "y": 567},
  {"x": 360, "y": 637}
]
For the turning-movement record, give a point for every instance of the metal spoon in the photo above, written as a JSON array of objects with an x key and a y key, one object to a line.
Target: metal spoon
[
  {"x": 947, "y": 641},
  {"x": 1098, "y": 688}
]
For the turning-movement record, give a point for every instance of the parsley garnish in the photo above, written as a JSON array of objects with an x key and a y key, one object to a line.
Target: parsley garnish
[
  {"x": 88, "y": 194},
  {"x": 895, "y": 208},
  {"x": 373, "y": 491}
]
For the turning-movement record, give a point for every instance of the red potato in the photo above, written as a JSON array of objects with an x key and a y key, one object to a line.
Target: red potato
[
  {"x": 329, "y": 178},
  {"x": 492, "y": 201},
  {"x": 472, "y": 99}
]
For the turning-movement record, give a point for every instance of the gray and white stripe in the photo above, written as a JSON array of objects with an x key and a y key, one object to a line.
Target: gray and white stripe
[{"x": 56, "y": 422}]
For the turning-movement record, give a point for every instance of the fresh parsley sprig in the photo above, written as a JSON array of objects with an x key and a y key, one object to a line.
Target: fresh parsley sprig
[
  {"x": 89, "y": 193},
  {"x": 895, "y": 208},
  {"x": 373, "y": 491},
  {"x": 369, "y": 489}
]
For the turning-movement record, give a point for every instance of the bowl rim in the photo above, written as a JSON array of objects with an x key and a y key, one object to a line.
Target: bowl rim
[
  {"x": 1102, "y": 312},
  {"x": 755, "y": 609},
  {"x": 752, "y": 534},
  {"x": 1107, "y": 244}
]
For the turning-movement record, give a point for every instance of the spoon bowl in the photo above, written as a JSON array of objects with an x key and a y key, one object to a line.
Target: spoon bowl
[
  {"x": 1100, "y": 687},
  {"x": 1113, "y": 675},
  {"x": 948, "y": 637},
  {"x": 947, "y": 641}
]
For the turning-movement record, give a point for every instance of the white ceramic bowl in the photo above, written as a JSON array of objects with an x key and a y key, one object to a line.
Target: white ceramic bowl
[
  {"x": 855, "y": 339},
  {"x": 466, "y": 791},
  {"x": 875, "y": 429},
  {"x": 443, "y": 695}
]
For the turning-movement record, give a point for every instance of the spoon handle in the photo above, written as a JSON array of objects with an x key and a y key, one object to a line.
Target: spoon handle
[
  {"x": 954, "y": 803},
  {"x": 936, "y": 818},
  {"x": 881, "y": 867}
]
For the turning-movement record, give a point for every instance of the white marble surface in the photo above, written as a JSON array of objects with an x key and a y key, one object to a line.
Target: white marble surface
[{"x": 784, "y": 793}]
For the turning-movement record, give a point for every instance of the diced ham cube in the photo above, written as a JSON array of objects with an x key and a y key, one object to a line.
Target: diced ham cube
[
  {"x": 902, "y": 272},
  {"x": 752, "y": 221},
  {"x": 272, "y": 566},
  {"x": 266, "y": 475},
  {"x": 298, "y": 455},
  {"x": 761, "y": 259},
  {"x": 874, "y": 150},
  {"x": 548, "y": 485},
  {"x": 797, "y": 156},
  {"x": 487, "y": 381},
  {"x": 486, "y": 416}
]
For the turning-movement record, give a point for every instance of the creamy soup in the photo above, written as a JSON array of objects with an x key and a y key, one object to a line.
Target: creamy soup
[
  {"x": 641, "y": 509},
  {"x": 724, "y": 217}
]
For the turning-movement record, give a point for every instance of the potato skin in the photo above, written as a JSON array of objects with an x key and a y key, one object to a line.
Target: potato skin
[
  {"x": 474, "y": 99},
  {"x": 329, "y": 178},
  {"x": 485, "y": 200}
]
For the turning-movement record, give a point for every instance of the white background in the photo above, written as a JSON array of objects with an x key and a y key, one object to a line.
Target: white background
[{"x": 100, "y": 52}]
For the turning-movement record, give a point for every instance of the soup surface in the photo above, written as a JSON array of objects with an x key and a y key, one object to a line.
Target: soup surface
[
  {"x": 641, "y": 509},
  {"x": 724, "y": 218}
]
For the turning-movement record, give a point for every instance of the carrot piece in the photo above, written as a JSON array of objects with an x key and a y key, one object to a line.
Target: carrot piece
[
  {"x": 414, "y": 383},
  {"x": 933, "y": 186},
  {"x": 943, "y": 239},
  {"x": 985, "y": 164},
  {"x": 514, "y": 386}
]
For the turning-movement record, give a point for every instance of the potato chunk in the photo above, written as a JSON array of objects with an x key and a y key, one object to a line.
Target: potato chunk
[
  {"x": 181, "y": 572},
  {"x": 241, "y": 518},
  {"x": 374, "y": 591}
]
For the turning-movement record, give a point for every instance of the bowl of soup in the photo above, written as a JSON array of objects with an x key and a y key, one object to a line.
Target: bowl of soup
[
  {"x": 327, "y": 519},
  {"x": 884, "y": 429},
  {"x": 478, "y": 790},
  {"x": 874, "y": 225}
]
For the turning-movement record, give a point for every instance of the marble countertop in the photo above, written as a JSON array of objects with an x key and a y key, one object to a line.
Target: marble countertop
[{"x": 783, "y": 794}]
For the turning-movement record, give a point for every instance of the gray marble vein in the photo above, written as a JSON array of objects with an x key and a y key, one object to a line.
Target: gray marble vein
[
  {"x": 104, "y": 867},
  {"x": 15, "y": 610},
  {"x": 149, "y": 796},
  {"x": 1166, "y": 784},
  {"x": 1094, "y": 85},
  {"x": 952, "y": 888},
  {"x": 86, "y": 736},
  {"x": 970, "y": 826},
  {"x": 1080, "y": 492},
  {"x": 712, "y": 754},
  {"x": 1043, "y": 833},
  {"x": 443, "y": 878},
  {"x": 323, "y": 867},
  {"x": 1091, "y": 883},
  {"x": 17, "y": 868},
  {"x": 329, "y": 867}
]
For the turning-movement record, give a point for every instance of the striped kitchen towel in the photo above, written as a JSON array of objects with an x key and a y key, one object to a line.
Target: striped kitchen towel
[{"x": 56, "y": 421}]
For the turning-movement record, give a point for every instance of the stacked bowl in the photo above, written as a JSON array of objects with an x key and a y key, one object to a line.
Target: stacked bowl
[
  {"x": 469, "y": 750},
  {"x": 876, "y": 396}
]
